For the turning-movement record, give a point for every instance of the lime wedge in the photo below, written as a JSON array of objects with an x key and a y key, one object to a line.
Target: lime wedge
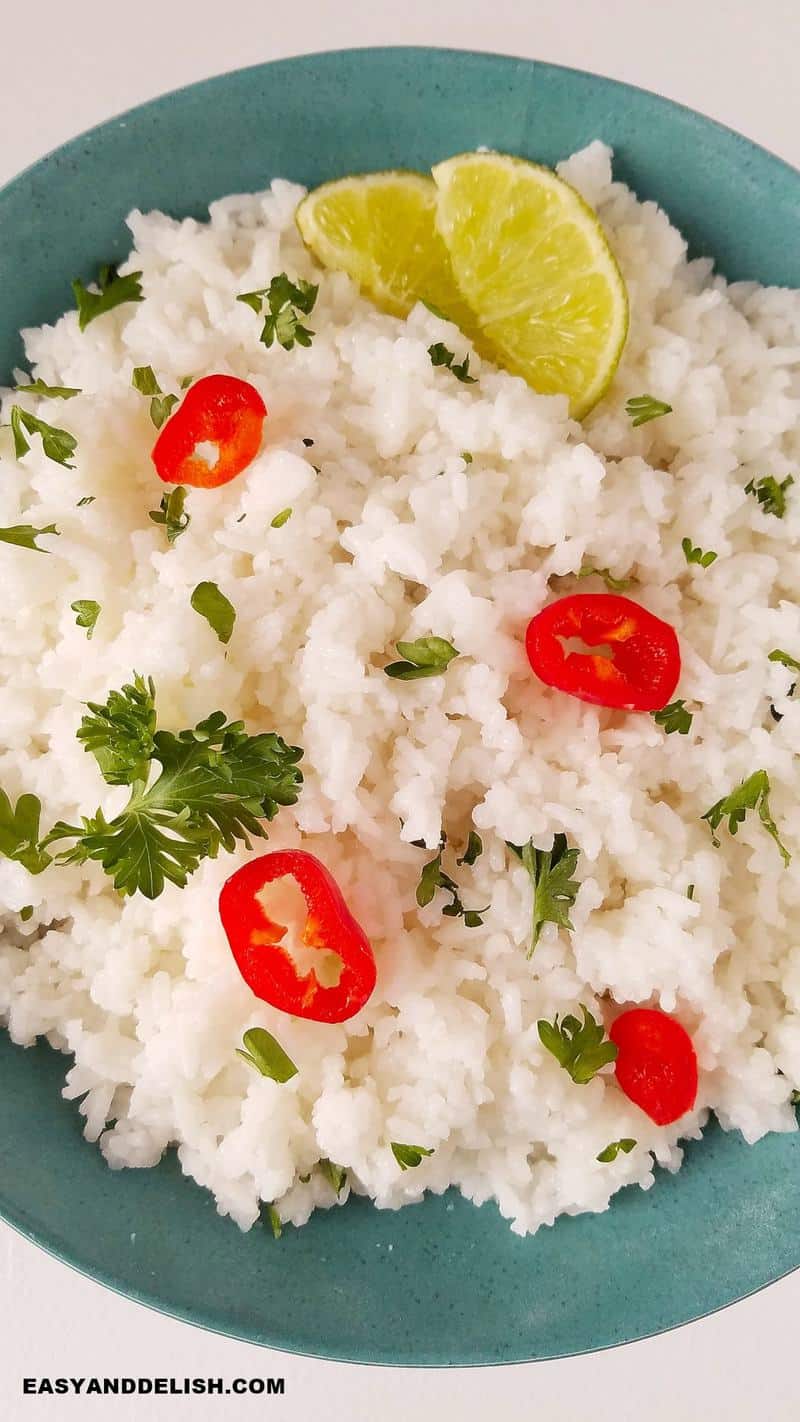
[
  {"x": 380, "y": 228},
  {"x": 533, "y": 264}
]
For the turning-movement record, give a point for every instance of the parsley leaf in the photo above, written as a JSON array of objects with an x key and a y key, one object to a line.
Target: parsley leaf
[
  {"x": 473, "y": 850},
  {"x": 58, "y": 445},
  {"x": 87, "y": 499},
  {"x": 579, "y": 1047},
  {"x": 554, "y": 890},
  {"x": 336, "y": 1175},
  {"x": 144, "y": 380},
  {"x": 23, "y": 535},
  {"x": 674, "y": 717},
  {"x": 696, "y": 555},
  {"x": 26, "y": 913},
  {"x": 440, "y": 355},
  {"x": 171, "y": 512},
  {"x": 19, "y": 832},
  {"x": 466, "y": 456},
  {"x": 770, "y": 494},
  {"x": 120, "y": 732},
  {"x": 752, "y": 794},
  {"x": 428, "y": 656},
  {"x": 220, "y": 614},
  {"x": 285, "y": 301},
  {"x": 51, "y": 392},
  {"x": 408, "y": 1157},
  {"x": 266, "y": 1055},
  {"x": 433, "y": 877},
  {"x": 281, "y": 518},
  {"x": 275, "y": 1222},
  {"x": 613, "y": 584},
  {"x": 612, "y": 1150},
  {"x": 643, "y": 408},
  {"x": 115, "y": 290},
  {"x": 88, "y": 612},
  {"x": 785, "y": 659}
]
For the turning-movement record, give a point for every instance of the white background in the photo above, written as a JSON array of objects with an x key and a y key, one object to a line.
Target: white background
[{"x": 67, "y": 66}]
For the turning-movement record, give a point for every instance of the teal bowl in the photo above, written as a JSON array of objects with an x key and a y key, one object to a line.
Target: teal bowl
[{"x": 442, "y": 1283}]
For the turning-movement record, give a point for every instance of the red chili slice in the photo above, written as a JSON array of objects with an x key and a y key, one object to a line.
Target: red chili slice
[
  {"x": 220, "y": 410},
  {"x": 646, "y": 664},
  {"x": 656, "y": 1064},
  {"x": 265, "y": 964}
]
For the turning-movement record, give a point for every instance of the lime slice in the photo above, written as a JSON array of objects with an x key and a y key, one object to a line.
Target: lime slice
[
  {"x": 380, "y": 228},
  {"x": 533, "y": 263}
]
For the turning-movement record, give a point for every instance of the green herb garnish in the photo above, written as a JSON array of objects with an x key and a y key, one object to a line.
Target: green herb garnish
[
  {"x": 690, "y": 892},
  {"x": 674, "y": 717},
  {"x": 87, "y": 499},
  {"x": 285, "y": 302},
  {"x": 770, "y": 494},
  {"x": 171, "y": 512},
  {"x": 281, "y": 518},
  {"x": 696, "y": 555},
  {"x": 266, "y": 1055},
  {"x": 785, "y": 659},
  {"x": 408, "y": 1157},
  {"x": 58, "y": 445},
  {"x": 161, "y": 405},
  {"x": 752, "y": 794},
  {"x": 643, "y": 408},
  {"x": 440, "y": 355},
  {"x": 554, "y": 890},
  {"x": 434, "y": 310},
  {"x": 612, "y": 1150},
  {"x": 22, "y": 535},
  {"x": 433, "y": 878},
  {"x": 336, "y": 1175},
  {"x": 613, "y": 584},
  {"x": 51, "y": 392},
  {"x": 473, "y": 850},
  {"x": 213, "y": 605},
  {"x": 466, "y": 456},
  {"x": 88, "y": 612},
  {"x": 26, "y": 913},
  {"x": 276, "y": 1224},
  {"x": 581, "y": 1048},
  {"x": 114, "y": 290},
  {"x": 215, "y": 786},
  {"x": 428, "y": 656}
]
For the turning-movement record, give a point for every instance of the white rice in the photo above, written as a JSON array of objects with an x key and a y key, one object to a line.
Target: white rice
[{"x": 397, "y": 537}]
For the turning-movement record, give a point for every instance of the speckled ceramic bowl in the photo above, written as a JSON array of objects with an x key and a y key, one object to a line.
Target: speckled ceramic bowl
[{"x": 443, "y": 1282}]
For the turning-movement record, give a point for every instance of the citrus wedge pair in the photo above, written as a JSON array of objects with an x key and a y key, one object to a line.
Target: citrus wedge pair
[{"x": 502, "y": 247}]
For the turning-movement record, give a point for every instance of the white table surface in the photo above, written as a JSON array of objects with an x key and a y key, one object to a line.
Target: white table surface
[{"x": 67, "y": 66}]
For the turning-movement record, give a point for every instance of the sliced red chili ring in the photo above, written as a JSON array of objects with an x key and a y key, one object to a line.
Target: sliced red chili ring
[
  {"x": 219, "y": 410},
  {"x": 640, "y": 676},
  {"x": 656, "y": 1065},
  {"x": 264, "y": 962}
]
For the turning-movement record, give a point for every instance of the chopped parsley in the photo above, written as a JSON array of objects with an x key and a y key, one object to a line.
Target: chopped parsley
[
  {"x": 613, "y": 1149},
  {"x": 752, "y": 794},
  {"x": 58, "y": 445},
  {"x": 554, "y": 890},
  {"x": 220, "y": 614},
  {"x": 214, "y": 787},
  {"x": 161, "y": 405},
  {"x": 433, "y": 878},
  {"x": 473, "y": 850},
  {"x": 336, "y": 1175},
  {"x": 690, "y": 892},
  {"x": 408, "y": 1157},
  {"x": 785, "y": 659},
  {"x": 281, "y": 518},
  {"x": 87, "y": 499},
  {"x": 26, "y": 913},
  {"x": 770, "y": 494},
  {"x": 466, "y": 456},
  {"x": 265, "y": 1054},
  {"x": 440, "y": 355},
  {"x": 23, "y": 535},
  {"x": 643, "y": 408},
  {"x": 696, "y": 555},
  {"x": 613, "y": 584},
  {"x": 50, "y": 392},
  {"x": 114, "y": 290},
  {"x": 581, "y": 1048},
  {"x": 87, "y": 612},
  {"x": 282, "y": 303},
  {"x": 171, "y": 512},
  {"x": 428, "y": 656},
  {"x": 674, "y": 717},
  {"x": 275, "y": 1222}
]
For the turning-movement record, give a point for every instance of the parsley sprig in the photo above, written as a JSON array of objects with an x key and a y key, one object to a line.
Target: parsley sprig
[
  {"x": 24, "y": 535},
  {"x": 266, "y": 1055},
  {"x": 770, "y": 494},
  {"x": 752, "y": 794},
  {"x": 214, "y": 788},
  {"x": 144, "y": 380},
  {"x": 674, "y": 717},
  {"x": 408, "y": 1157},
  {"x": 696, "y": 555},
  {"x": 612, "y": 1150},
  {"x": 114, "y": 290},
  {"x": 57, "y": 444},
  {"x": 434, "y": 877},
  {"x": 171, "y": 512},
  {"x": 440, "y": 355},
  {"x": 644, "y": 408},
  {"x": 282, "y": 303},
  {"x": 581, "y": 1048},
  {"x": 554, "y": 890},
  {"x": 50, "y": 392},
  {"x": 427, "y": 656},
  {"x": 87, "y": 612}
]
